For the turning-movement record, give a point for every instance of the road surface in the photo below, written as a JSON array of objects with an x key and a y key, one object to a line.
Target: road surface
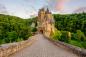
[{"x": 43, "y": 48}]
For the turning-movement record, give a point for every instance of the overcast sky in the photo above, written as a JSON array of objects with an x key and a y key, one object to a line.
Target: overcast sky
[{"x": 27, "y": 8}]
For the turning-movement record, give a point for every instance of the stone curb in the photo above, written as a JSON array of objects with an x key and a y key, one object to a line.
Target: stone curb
[
  {"x": 76, "y": 50},
  {"x": 9, "y": 49}
]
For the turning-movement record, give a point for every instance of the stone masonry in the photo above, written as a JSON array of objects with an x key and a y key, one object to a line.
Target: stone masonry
[{"x": 45, "y": 22}]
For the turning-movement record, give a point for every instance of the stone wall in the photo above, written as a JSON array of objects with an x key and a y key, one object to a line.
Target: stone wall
[
  {"x": 45, "y": 22},
  {"x": 74, "y": 49},
  {"x": 8, "y": 49}
]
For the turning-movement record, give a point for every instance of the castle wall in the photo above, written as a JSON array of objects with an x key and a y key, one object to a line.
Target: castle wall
[{"x": 45, "y": 22}]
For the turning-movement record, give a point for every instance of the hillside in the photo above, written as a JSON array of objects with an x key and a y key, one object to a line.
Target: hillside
[
  {"x": 13, "y": 29},
  {"x": 71, "y": 28}
]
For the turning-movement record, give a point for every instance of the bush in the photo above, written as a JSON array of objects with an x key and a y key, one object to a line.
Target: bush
[
  {"x": 2, "y": 41},
  {"x": 11, "y": 36},
  {"x": 19, "y": 39},
  {"x": 80, "y": 35},
  {"x": 74, "y": 36},
  {"x": 34, "y": 29},
  {"x": 84, "y": 44},
  {"x": 64, "y": 36},
  {"x": 56, "y": 35},
  {"x": 76, "y": 43}
]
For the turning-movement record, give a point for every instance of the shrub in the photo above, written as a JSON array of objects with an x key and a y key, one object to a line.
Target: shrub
[
  {"x": 65, "y": 37},
  {"x": 76, "y": 43},
  {"x": 56, "y": 35},
  {"x": 84, "y": 44},
  {"x": 34, "y": 29},
  {"x": 74, "y": 36},
  {"x": 2, "y": 41},
  {"x": 11, "y": 36},
  {"x": 80, "y": 35},
  {"x": 19, "y": 39}
]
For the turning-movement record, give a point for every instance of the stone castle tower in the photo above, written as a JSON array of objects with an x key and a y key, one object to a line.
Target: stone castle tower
[{"x": 45, "y": 22}]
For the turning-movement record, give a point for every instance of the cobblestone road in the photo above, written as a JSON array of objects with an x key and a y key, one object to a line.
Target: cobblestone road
[{"x": 43, "y": 48}]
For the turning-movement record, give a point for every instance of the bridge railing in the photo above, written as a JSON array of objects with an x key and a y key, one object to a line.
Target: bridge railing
[
  {"x": 8, "y": 49},
  {"x": 74, "y": 49}
]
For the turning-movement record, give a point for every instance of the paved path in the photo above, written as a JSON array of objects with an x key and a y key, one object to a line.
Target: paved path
[{"x": 43, "y": 48}]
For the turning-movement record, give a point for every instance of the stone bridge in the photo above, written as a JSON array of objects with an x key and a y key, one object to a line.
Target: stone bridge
[
  {"x": 40, "y": 46},
  {"x": 43, "y": 48}
]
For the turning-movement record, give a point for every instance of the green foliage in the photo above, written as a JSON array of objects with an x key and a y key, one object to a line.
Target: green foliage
[
  {"x": 76, "y": 24},
  {"x": 19, "y": 39},
  {"x": 76, "y": 43},
  {"x": 64, "y": 36},
  {"x": 11, "y": 36},
  {"x": 84, "y": 44},
  {"x": 14, "y": 29},
  {"x": 71, "y": 22},
  {"x": 61, "y": 36},
  {"x": 34, "y": 29},
  {"x": 80, "y": 35},
  {"x": 74, "y": 36},
  {"x": 56, "y": 35}
]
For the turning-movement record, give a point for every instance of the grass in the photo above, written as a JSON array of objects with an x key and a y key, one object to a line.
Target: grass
[{"x": 78, "y": 43}]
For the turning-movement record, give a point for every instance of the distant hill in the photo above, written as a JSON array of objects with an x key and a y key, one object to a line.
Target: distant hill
[
  {"x": 3, "y": 9},
  {"x": 80, "y": 10}
]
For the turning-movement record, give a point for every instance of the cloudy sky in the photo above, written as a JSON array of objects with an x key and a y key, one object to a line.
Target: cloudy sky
[{"x": 27, "y": 8}]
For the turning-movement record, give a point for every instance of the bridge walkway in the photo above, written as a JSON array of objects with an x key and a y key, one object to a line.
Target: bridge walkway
[{"x": 43, "y": 48}]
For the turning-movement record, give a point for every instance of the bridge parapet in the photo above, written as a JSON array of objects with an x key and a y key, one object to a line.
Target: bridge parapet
[
  {"x": 74, "y": 49},
  {"x": 8, "y": 49}
]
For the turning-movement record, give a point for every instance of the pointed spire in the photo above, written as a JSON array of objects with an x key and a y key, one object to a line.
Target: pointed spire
[
  {"x": 47, "y": 10},
  {"x": 42, "y": 9}
]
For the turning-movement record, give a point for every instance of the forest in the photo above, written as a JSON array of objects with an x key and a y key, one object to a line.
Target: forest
[
  {"x": 14, "y": 29},
  {"x": 71, "y": 28}
]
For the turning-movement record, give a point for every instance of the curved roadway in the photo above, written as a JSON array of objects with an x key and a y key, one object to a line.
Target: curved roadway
[{"x": 43, "y": 48}]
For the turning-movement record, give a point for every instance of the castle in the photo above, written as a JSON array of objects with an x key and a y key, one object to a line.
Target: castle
[{"x": 45, "y": 22}]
